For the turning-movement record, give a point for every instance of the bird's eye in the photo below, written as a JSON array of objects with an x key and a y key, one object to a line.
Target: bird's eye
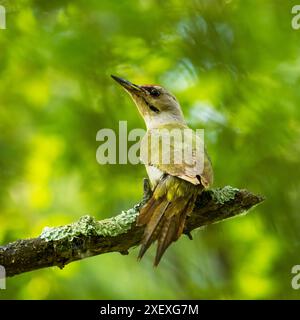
[{"x": 154, "y": 92}]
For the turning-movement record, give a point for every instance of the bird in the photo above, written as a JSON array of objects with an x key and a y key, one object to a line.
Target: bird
[{"x": 175, "y": 185}]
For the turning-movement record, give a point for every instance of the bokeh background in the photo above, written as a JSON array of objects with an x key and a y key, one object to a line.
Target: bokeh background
[{"x": 234, "y": 66}]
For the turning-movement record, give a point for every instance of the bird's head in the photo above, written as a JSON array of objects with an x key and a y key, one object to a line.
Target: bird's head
[{"x": 156, "y": 105}]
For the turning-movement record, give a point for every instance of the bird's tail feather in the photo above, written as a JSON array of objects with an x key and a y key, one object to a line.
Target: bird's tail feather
[{"x": 164, "y": 221}]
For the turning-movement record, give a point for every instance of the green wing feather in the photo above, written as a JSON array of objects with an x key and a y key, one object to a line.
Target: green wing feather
[{"x": 186, "y": 158}]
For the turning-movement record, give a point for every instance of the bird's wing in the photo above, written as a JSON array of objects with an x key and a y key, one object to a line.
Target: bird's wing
[{"x": 179, "y": 153}]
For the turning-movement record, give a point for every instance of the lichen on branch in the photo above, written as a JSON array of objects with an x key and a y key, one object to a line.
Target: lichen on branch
[{"x": 88, "y": 226}]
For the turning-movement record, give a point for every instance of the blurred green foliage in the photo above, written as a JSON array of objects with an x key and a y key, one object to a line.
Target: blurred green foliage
[{"x": 234, "y": 66}]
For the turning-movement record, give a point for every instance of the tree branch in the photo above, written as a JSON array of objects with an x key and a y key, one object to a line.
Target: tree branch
[{"x": 88, "y": 237}]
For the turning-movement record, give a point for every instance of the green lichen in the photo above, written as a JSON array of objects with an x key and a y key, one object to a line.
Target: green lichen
[
  {"x": 223, "y": 195},
  {"x": 88, "y": 226},
  {"x": 117, "y": 225}
]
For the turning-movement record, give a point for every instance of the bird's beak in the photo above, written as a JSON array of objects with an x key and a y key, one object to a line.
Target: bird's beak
[{"x": 128, "y": 86}]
